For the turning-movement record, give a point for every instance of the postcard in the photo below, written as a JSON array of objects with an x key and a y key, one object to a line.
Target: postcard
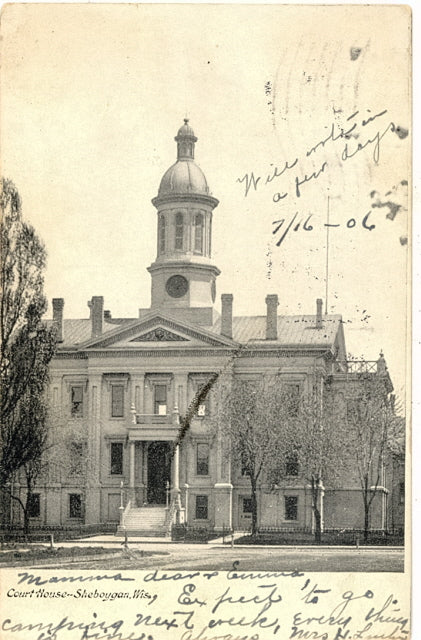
[{"x": 206, "y": 289}]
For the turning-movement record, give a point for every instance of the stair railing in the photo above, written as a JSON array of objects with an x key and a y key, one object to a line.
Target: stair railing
[
  {"x": 125, "y": 513},
  {"x": 170, "y": 517}
]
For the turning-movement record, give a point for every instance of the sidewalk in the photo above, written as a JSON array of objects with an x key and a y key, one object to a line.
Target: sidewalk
[{"x": 112, "y": 541}]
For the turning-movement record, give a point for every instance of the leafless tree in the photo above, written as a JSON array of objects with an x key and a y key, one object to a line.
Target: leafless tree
[
  {"x": 370, "y": 420},
  {"x": 258, "y": 419}
]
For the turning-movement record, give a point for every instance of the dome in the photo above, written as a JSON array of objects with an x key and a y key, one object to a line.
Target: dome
[
  {"x": 185, "y": 176},
  {"x": 186, "y": 130}
]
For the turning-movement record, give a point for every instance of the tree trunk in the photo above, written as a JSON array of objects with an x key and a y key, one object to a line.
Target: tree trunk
[
  {"x": 253, "y": 506},
  {"x": 26, "y": 513},
  {"x": 316, "y": 511},
  {"x": 367, "y": 503},
  {"x": 366, "y": 520}
]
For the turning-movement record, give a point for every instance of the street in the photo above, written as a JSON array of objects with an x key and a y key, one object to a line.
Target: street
[{"x": 175, "y": 556}]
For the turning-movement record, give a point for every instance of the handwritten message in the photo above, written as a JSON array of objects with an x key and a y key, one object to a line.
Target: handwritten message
[
  {"x": 348, "y": 149},
  {"x": 357, "y": 133},
  {"x": 233, "y": 605}
]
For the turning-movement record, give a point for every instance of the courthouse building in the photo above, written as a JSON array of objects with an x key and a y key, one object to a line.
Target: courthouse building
[{"x": 119, "y": 386}]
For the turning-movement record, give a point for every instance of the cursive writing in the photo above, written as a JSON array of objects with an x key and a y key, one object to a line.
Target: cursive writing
[
  {"x": 29, "y": 578},
  {"x": 307, "y": 224},
  {"x": 233, "y": 605},
  {"x": 342, "y": 135}
]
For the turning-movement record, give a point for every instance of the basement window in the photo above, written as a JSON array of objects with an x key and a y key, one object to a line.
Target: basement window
[
  {"x": 291, "y": 508},
  {"x": 201, "y": 507},
  {"x": 34, "y": 505},
  {"x": 75, "y": 505}
]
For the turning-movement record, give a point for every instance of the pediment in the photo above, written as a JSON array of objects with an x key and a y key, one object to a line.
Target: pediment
[
  {"x": 157, "y": 331},
  {"x": 159, "y": 334}
]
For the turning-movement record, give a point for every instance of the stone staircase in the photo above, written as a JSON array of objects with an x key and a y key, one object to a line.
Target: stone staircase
[{"x": 146, "y": 522}]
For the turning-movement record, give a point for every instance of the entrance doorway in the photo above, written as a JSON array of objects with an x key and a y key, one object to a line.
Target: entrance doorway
[{"x": 159, "y": 471}]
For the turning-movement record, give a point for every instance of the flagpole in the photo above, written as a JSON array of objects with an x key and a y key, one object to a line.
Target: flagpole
[{"x": 327, "y": 255}]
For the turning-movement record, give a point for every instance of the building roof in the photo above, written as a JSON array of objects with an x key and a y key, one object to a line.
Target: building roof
[
  {"x": 183, "y": 177},
  {"x": 292, "y": 330},
  {"x": 77, "y": 331}
]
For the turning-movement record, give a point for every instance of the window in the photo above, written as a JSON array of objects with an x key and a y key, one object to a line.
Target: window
[
  {"x": 179, "y": 231},
  {"x": 161, "y": 234},
  {"x": 291, "y": 508},
  {"x": 117, "y": 401},
  {"x": 203, "y": 409},
  {"x": 75, "y": 505},
  {"x": 116, "y": 466},
  {"x": 245, "y": 464},
  {"x": 160, "y": 399},
  {"x": 76, "y": 401},
  {"x": 202, "y": 459},
  {"x": 247, "y": 505},
  {"x": 76, "y": 454},
  {"x": 402, "y": 493},
  {"x": 198, "y": 233},
  {"x": 292, "y": 393},
  {"x": 201, "y": 507},
  {"x": 291, "y": 467},
  {"x": 34, "y": 505},
  {"x": 203, "y": 390}
]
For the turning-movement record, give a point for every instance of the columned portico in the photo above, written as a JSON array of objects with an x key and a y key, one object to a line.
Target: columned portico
[{"x": 153, "y": 452}]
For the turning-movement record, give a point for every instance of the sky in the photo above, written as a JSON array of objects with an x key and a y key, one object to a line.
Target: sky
[{"x": 93, "y": 95}]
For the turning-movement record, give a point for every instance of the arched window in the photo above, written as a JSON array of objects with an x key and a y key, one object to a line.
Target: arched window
[
  {"x": 179, "y": 230},
  {"x": 198, "y": 233},
  {"x": 161, "y": 234}
]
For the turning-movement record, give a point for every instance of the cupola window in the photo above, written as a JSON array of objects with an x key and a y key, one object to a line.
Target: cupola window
[
  {"x": 179, "y": 231},
  {"x": 198, "y": 233},
  {"x": 161, "y": 234}
]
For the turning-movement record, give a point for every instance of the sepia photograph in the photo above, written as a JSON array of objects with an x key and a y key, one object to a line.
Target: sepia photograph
[{"x": 205, "y": 321}]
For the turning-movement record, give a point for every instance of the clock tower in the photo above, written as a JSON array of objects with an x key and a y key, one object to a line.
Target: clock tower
[{"x": 183, "y": 277}]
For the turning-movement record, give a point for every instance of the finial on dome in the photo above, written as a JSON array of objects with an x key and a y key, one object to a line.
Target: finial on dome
[{"x": 185, "y": 139}]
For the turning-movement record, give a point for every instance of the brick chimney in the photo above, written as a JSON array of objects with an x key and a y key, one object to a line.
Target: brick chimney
[
  {"x": 272, "y": 317},
  {"x": 58, "y": 305},
  {"x": 319, "y": 319},
  {"x": 96, "y": 306},
  {"x": 226, "y": 314}
]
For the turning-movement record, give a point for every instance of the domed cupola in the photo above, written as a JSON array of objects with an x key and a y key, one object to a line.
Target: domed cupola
[
  {"x": 185, "y": 140},
  {"x": 184, "y": 176},
  {"x": 182, "y": 276}
]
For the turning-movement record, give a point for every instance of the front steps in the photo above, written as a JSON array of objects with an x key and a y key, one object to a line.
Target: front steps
[{"x": 145, "y": 522}]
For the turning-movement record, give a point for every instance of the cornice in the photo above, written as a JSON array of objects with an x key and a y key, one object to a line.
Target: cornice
[
  {"x": 170, "y": 352},
  {"x": 185, "y": 197}
]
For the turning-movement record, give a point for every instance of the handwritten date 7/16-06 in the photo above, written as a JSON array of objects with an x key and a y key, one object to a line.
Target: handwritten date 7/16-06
[{"x": 285, "y": 225}]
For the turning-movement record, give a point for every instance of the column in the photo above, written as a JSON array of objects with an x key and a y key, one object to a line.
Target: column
[
  {"x": 93, "y": 491},
  {"x": 180, "y": 392},
  {"x": 139, "y": 466},
  {"x": 132, "y": 494},
  {"x": 175, "y": 491},
  {"x": 138, "y": 382},
  {"x": 223, "y": 486}
]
